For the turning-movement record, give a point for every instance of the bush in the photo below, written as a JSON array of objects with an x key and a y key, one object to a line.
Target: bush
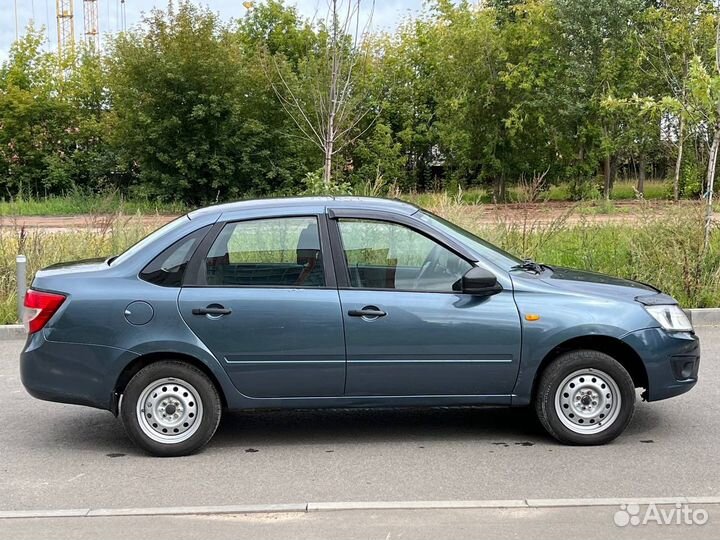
[{"x": 315, "y": 185}]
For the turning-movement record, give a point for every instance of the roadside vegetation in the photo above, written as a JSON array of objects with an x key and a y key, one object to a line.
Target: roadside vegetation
[
  {"x": 665, "y": 250},
  {"x": 85, "y": 203},
  {"x": 80, "y": 202}
]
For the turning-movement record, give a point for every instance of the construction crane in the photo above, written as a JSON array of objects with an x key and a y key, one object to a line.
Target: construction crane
[
  {"x": 65, "y": 27},
  {"x": 92, "y": 28},
  {"x": 123, "y": 16}
]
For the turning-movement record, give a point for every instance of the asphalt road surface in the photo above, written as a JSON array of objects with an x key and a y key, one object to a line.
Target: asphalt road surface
[{"x": 55, "y": 456}]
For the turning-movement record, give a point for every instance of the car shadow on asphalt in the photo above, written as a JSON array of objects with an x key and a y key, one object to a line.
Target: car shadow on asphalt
[
  {"x": 338, "y": 426},
  {"x": 511, "y": 426},
  {"x": 248, "y": 430}
]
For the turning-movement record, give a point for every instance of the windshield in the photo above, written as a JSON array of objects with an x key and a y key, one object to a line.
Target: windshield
[
  {"x": 149, "y": 239},
  {"x": 486, "y": 250}
]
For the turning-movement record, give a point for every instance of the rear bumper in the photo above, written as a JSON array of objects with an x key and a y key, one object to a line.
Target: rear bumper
[
  {"x": 70, "y": 372},
  {"x": 671, "y": 359}
]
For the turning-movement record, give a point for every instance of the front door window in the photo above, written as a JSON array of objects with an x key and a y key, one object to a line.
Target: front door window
[{"x": 384, "y": 255}]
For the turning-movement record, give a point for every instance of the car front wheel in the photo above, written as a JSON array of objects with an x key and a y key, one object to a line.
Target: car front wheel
[
  {"x": 585, "y": 397},
  {"x": 170, "y": 408}
]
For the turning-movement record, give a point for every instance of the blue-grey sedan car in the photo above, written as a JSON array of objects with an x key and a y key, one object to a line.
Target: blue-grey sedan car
[{"x": 344, "y": 302}]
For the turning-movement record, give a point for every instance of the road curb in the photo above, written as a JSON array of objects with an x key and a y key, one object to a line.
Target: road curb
[
  {"x": 413, "y": 505},
  {"x": 12, "y": 331},
  {"x": 704, "y": 316},
  {"x": 32, "y": 514},
  {"x": 196, "y": 510},
  {"x": 529, "y": 504},
  {"x": 613, "y": 501},
  {"x": 699, "y": 317}
]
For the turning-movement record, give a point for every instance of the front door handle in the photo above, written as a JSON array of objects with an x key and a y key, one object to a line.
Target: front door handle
[
  {"x": 367, "y": 311},
  {"x": 212, "y": 310}
]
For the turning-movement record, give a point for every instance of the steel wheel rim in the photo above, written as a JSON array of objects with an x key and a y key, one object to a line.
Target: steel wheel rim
[
  {"x": 588, "y": 401},
  {"x": 169, "y": 410}
]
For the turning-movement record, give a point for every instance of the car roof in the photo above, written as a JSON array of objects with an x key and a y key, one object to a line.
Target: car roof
[{"x": 364, "y": 203}]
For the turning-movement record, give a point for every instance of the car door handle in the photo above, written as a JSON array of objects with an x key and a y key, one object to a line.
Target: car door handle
[
  {"x": 367, "y": 312},
  {"x": 212, "y": 311}
]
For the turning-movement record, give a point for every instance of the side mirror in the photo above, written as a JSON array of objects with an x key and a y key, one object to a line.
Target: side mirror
[{"x": 480, "y": 282}]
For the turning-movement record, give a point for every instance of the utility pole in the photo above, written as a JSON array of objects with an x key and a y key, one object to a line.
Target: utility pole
[
  {"x": 65, "y": 27},
  {"x": 92, "y": 28}
]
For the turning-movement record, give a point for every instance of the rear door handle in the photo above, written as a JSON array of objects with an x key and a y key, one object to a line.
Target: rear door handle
[
  {"x": 367, "y": 311},
  {"x": 217, "y": 311}
]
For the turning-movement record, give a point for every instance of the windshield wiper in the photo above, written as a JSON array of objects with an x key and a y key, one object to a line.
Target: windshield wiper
[{"x": 531, "y": 266}]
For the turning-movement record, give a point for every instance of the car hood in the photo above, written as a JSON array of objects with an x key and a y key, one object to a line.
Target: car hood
[{"x": 594, "y": 283}]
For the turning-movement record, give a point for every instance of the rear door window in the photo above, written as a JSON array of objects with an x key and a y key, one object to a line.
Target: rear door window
[{"x": 277, "y": 252}]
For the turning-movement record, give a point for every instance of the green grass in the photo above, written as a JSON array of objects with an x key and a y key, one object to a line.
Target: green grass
[
  {"x": 79, "y": 202},
  {"x": 82, "y": 203},
  {"x": 622, "y": 191},
  {"x": 654, "y": 190}
]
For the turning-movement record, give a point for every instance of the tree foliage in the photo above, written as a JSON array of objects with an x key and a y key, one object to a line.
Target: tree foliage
[{"x": 186, "y": 106}]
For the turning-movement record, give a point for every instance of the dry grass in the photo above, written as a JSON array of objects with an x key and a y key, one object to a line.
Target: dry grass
[
  {"x": 101, "y": 238},
  {"x": 662, "y": 249}
]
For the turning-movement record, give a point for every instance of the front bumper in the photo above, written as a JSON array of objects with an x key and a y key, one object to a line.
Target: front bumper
[{"x": 671, "y": 360}]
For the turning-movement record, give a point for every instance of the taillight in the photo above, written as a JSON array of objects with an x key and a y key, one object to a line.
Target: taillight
[{"x": 39, "y": 308}]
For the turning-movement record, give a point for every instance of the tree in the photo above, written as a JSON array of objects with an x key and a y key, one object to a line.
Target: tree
[
  {"x": 407, "y": 76},
  {"x": 674, "y": 32},
  {"x": 467, "y": 53},
  {"x": 541, "y": 116},
  {"x": 705, "y": 88},
  {"x": 599, "y": 40},
  {"x": 323, "y": 98},
  {"x": 53, "y": 132},
  {"x": 189, "y": 107},
  {"x": 196, "y": 119},
  {"x": 377, "y": 159}
]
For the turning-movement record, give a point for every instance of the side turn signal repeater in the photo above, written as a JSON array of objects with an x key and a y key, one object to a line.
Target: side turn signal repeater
[{"x": 532, "y": 317}]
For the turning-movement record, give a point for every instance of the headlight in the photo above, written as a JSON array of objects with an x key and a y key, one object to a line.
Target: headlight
[{"x": 670, "y": 317}]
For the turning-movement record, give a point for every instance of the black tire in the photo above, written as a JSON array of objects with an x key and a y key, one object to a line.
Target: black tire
[
  {"x": 556, "y": 373},
  {"x": 182, "y": 373}
]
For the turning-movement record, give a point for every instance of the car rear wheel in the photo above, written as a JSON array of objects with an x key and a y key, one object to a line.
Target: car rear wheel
[
  {"x": 170, "y": 408},
  {"x": 585, "y": 397}
]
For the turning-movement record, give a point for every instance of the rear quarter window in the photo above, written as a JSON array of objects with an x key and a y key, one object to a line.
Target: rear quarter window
[{"x": 168, "y": 268}]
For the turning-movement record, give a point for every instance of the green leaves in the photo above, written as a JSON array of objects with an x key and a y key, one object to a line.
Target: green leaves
[
  {"x": 183, "y": 106},
  {"x": 192, "y": 103}
]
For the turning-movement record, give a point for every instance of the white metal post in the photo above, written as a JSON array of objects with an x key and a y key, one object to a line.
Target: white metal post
[{"x": 21, "y": 280}]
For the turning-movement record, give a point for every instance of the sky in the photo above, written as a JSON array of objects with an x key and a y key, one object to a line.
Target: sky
[{"x": 387, "y": 13}]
